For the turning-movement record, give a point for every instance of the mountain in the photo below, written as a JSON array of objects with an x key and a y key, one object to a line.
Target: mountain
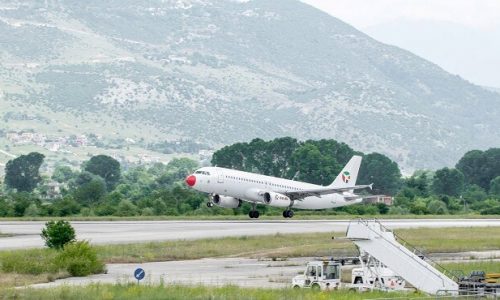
[{"x": 211, "y": 73}]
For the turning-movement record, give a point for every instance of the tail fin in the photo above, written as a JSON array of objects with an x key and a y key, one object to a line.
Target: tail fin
[{"x": 349, "y": 173}]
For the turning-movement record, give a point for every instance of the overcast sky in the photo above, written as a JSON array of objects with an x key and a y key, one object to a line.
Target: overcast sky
[
  {"x": 467, "y": 31},
  {"x": 365, "y": 13}
]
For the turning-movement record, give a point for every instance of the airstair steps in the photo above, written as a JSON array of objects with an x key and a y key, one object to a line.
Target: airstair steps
[{"x": 372, "y": 237}]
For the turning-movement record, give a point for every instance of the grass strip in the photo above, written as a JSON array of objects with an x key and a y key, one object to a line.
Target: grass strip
[{"x": 149, "y": 292}]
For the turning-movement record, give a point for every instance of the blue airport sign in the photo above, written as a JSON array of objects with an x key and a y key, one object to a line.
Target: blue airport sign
[{"x": 139, "y": 274}]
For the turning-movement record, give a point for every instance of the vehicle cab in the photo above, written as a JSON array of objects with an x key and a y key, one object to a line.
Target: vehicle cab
[{"x": 321, "y": 275}]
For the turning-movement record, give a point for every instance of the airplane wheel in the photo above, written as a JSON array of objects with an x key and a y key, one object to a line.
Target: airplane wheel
[
  {"x": 256, "y": 214},
  {"x": 210, "y": 204},
  {"x": 290, "y": 213},
  {"x": 250, "y": 214},
  {"x": 285, "y": 214}
]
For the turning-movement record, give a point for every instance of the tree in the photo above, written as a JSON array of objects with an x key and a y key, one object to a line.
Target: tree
[
  {"x": 63, "y": 174},
  {"x": 56, "y": 234},
  {"x": 65, "y": 207},
  {"x": 311, "y": 165},
  {"x": 480, "y": 167},
  {"x": 420, "y": 182},
  {"x": 495, "y": 187},
  {"x": 106, "y": 167},
  {"x": 474, "y": 193},
  {"x": 448, "y": 182},
  {"x": 380, "y": 170},
  {"x": 23, "y": 173},
  {"x": 88, "y": 188}
]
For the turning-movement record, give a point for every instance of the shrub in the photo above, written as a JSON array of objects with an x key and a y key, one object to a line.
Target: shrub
[
  {"x": 437, "y": 207},
  {"x": 79, "y": 259},
  {"x": 32, "y": 211},
  {"x": 126, "y": 208},
  {"x": 56, "y": 234}
]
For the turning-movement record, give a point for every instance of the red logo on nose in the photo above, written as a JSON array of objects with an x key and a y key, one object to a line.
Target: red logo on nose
[{"x": 190, "y": 180}]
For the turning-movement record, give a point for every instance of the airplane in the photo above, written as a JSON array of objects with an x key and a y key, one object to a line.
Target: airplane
[{"x": 229, "y": 188}]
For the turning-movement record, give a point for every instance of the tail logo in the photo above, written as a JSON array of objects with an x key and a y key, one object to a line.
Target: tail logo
[{"x": 346, "y": 176}]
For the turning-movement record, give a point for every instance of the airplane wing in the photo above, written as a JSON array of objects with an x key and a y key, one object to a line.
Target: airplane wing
[{"x": 297, "y": 195}]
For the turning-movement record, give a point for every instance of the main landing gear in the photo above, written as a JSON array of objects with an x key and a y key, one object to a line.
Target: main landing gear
[
  {"x": 210, "y": 204},
  {"x": 254, "y": 213},
  {"x": 288, "y": 213}
]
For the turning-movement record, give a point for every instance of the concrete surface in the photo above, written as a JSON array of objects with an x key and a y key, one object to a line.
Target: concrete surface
[{"x": 246, "y": 272}]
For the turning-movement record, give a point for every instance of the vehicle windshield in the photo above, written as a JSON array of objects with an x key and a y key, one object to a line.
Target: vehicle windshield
[
  {"x": 331, "y": 271},
  {"x": 202, "y": 172}
]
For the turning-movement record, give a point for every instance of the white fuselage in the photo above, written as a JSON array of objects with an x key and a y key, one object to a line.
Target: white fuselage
[{"x": 240, "y": 185}]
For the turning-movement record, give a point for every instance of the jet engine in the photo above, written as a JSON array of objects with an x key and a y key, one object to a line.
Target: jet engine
[
  {"x": 276, "y": 199},
  {"x": 226, "y": 202}
]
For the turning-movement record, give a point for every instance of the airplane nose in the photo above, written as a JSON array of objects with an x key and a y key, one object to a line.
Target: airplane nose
[{"x": 191, "y": 180}]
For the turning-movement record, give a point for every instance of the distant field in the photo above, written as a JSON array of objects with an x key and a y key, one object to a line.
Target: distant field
[
  {"x": 299, "y": 215},
  {"x": 134, "y": 291}
]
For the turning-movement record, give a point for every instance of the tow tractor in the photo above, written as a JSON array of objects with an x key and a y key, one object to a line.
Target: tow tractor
[
  {"x": 319, "y": 275},
  {"x": 327, "y": 275}
]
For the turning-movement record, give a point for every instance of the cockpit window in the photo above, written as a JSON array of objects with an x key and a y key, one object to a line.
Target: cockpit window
[{"x": 202, "y": 172}]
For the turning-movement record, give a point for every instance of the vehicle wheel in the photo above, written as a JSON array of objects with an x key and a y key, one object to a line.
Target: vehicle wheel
[
  {"x": 290, "y": 213},
  {"x": 256, "y": 214},
  {"x": 296, "y": 287},
  {"x": 210, "y": 204},
  {"x": 315, "y": 287},
  {"x": 251, "y": 214},
  {"x": 284, "y": 214}
]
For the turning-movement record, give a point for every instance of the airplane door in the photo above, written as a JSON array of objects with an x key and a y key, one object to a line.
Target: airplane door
[{"x": 220, "y": 176}]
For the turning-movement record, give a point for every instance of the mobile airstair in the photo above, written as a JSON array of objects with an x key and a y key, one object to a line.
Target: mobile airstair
[{"x": 378, "y": 241}]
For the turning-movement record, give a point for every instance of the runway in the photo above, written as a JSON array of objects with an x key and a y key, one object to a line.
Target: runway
[{"x": 27, "y": 234}]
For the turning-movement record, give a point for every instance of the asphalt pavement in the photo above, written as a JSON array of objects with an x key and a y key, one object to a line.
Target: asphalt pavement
[{"x": 27, "y": 234}]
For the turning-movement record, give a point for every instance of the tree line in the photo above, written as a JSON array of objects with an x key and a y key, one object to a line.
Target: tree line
[{"x": 101, "y": 187}]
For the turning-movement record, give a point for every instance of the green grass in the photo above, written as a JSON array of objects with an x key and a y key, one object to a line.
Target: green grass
[
  {"x": 467, "y": 267},
  {"x": 36, "y": 262},
  {"x": 300, "y": 215},
  {"x": 134, "y": 291},
  {"x": 299, "y": 245}
]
